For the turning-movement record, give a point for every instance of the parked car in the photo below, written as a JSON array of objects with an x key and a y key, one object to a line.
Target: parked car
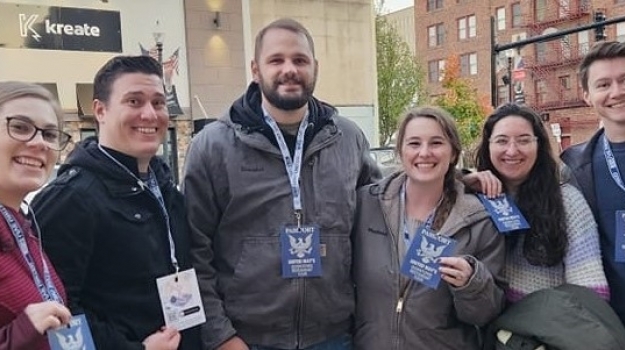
[{"x": 387, "y": 159}]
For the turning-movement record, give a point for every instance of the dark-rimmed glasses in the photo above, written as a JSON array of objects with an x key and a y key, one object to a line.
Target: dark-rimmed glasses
[{"x": 21, "y": 129}]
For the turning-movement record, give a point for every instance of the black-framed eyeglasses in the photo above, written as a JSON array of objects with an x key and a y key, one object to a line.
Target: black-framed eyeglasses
[{"x": 21, "y": 129}]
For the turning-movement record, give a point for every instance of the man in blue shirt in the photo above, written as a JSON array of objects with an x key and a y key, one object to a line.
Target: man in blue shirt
[{"x": 596, "y": 166}]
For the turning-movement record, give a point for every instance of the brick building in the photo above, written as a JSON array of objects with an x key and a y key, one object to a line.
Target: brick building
[{"x": 543, "y": 74}]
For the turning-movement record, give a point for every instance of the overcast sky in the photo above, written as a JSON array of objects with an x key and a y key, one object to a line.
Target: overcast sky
[{"x": 394, "y": 5}]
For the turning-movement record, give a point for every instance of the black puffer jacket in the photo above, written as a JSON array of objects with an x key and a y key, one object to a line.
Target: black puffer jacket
[{"x": 107, "y": 238}]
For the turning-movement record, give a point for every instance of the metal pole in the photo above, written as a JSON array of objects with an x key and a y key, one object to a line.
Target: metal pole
[
  {"x": 159, "y": 51},
  {"x": 493, "y": 64},
  {"x": 510, "y": 86}
]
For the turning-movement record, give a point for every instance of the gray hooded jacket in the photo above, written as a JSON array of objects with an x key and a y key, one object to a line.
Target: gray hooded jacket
[
  {"x": 239, "y": 197},
  {"x": 445, "y": 318}
]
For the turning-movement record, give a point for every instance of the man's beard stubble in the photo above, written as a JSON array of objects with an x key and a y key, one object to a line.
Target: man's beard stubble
[{"x": 287, "y": 103}]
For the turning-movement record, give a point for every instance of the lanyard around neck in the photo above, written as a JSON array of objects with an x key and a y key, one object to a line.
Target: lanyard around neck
[
  {"x": 152, "y": 186},
  {"x": 46, "y": 288},
  {"x": 612, "y": 166},
  {"x": 428, "y": 222},
  {"x": 293, "y": 165}
]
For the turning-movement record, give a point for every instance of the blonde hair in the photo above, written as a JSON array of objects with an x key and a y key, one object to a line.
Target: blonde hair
[{"x": 12, "y": 90}]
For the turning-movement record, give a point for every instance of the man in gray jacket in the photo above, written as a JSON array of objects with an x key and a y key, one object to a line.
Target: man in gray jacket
[{"x": 271, "y": 194}]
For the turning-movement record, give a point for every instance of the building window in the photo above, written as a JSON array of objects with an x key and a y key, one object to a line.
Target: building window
[
  {"x": 565, "y": 44},
  {"x": 517, "y": 16},
  {"x": 501, "y": 18},
  {"x": 467, "y": 27},
  {"x": 462, "y": 28},
  {"x": 87, "y": 132},
  {"x": 583, "y": 44},
  {"x": 468, "y": 64},
  {"x": 620, "y": 31},
  {"x": 539, "y": 10},
  {"x": 435, "y": 70},
  {"x": 541, "y": 52},
  {"x": 541, "y": 91},
  {"x": 565, "y": 82},
  {"x": 436, "y": 35},
  {"x": 564, "y": 8},
  {"x": 434, "y": 5},
  {"x": 472, "y": 26}
]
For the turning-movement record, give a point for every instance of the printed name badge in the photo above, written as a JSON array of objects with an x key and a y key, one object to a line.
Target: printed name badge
[
  {"x": 75, "y": 336},
  {"x": 619, "y": 246},
  {"x": 504, "y": 213},
  {"x": 421, "y": 261},
  {"x": 300, "y": 252},
  {"x": 180, "y": 300}
]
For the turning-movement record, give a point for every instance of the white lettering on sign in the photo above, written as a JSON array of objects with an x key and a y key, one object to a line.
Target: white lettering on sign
[{"x": 72, "y": 29}]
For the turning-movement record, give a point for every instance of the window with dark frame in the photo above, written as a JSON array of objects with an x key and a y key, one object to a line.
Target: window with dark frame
[
  {"x": 565, "y": 82},
  {"x": 517, "y": 15},
  {"x": 436, "y": 35},
  {"x": 434, "y": 5},
  {"x": 466, "y": 27},
  {"x": 468, "y": 64},
  {"x": 501, "y": 18},
  {"x": 435, "y": 70}
]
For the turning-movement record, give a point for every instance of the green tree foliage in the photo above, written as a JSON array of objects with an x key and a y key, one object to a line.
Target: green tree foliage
[
  {"x": 401, "y": 80},
  {"x": 464, "y": 103}
]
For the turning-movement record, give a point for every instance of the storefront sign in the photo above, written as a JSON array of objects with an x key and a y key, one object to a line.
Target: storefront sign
[{"x": 59, "y": 28}]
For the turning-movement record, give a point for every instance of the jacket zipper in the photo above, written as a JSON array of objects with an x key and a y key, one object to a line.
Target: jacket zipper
[{"x": 401, "y": 300}]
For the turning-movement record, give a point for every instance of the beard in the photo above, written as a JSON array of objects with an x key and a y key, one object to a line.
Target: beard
[{"x": 288, "y": 102}]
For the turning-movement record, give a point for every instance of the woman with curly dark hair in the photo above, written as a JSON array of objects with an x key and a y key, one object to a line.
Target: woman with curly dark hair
[{"x": 562, "y": 244}]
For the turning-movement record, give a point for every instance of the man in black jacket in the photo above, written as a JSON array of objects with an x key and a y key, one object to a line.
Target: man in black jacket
[{"x": 113, "y": 221}]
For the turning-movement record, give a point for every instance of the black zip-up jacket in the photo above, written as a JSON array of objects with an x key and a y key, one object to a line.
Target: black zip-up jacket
[{"x": 107, "y": 238}]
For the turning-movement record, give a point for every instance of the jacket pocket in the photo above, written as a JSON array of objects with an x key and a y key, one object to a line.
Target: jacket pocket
[
  {"x": 256, "y": 294},
  {"x": 331, "y": 297}
]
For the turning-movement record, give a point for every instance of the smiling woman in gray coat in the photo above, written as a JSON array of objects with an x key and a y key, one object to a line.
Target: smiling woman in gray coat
[{"x": 395, "y": 311}]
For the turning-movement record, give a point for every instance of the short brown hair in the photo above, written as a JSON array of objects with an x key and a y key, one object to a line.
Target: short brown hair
[
  {"x": 604, "y": 50},
  {"x": 286, "y": 24}
]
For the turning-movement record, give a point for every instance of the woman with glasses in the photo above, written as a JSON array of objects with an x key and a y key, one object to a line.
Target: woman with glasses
[
  {"x": 427, "y": 258},
  {"x": 31, "y": 294},
  {"x": 562, "y": 243}
]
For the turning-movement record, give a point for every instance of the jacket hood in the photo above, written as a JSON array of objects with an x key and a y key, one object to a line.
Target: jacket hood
[
  {"x": 86, "y": 154},
  {"x": 247, "y": 112}
]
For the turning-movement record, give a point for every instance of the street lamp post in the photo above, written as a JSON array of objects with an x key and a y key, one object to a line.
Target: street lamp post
[
  {"x": 510, "y": 57},
  {"x": 159, "y": 36}
]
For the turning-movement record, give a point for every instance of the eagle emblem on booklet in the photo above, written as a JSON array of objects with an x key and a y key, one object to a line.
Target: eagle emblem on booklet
[
  {"x": 301, "y": 255},
  {"x": 504, "y": 213},
  {"x": 76, "y": 336},
  {"x": 421, "y": 261}
]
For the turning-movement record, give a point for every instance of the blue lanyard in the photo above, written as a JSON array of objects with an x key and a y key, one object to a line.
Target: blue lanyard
[
  {"x": 612, "y": 166},
  {"x": 153, "y": 188},
  {"x": 428, "y": 222},
  {"x": 156, "y": 191},
  {"x": 293, "y": 165},
  {"x": 46, "y": 288}
]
